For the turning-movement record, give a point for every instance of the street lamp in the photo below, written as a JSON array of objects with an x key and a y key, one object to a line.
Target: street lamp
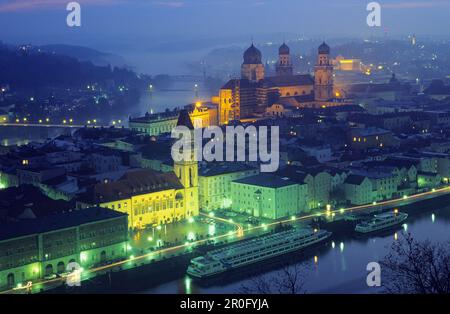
[{"x": 196, "y": 90}]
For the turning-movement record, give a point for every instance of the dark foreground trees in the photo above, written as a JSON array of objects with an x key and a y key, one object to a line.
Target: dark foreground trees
[
  {"x": 288, "y": 280},
  {"x": 417, "y": 267}
]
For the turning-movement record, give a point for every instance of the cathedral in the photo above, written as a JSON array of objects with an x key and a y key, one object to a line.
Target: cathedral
[{"x": 251, "y": 95}]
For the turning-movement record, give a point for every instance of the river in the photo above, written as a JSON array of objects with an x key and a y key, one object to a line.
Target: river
[
  {"x": 181, "y": 93},
  {"x": 340, "y": 267}
]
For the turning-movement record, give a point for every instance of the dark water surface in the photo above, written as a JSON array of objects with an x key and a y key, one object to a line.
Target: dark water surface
[{"x": 340, "y": 266}]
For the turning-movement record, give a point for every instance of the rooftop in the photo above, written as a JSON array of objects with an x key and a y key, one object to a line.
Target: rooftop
[
  {"x": 160, "y": 116},
  {"x": 370, "y": 131},
  {"x": 289, "y": 80},
  {"x": 132, "y": 183},
  {"x": 56, "y": 222},
  {"x": 266, "y": 180},
  {"x": 214, "y": 169},
  {"x": 354, "y": 179}
]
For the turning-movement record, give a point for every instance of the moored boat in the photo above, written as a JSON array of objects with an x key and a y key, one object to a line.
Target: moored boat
[
  {"x": 253, "y": 251},
  {"x": 381, "y": 222}
]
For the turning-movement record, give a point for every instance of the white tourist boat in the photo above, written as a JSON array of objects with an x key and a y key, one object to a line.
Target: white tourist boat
[
  {"x": 252, "y": 251},
  {"x": 381, "y": 222}
]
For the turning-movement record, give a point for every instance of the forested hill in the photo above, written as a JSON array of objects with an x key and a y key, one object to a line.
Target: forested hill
[{"x": 29, "y": 67}]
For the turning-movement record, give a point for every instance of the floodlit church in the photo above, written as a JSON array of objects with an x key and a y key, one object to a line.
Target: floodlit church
[
  {"x": 254, "y": 93},
  {"x": 150, "y": 197}
]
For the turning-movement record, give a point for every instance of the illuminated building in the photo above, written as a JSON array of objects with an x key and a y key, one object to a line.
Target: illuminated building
[
  {"x": 358, "y": 190},
  {"x": 154, "y": 124},
  {"x": 215, "y": 183},
  {"x": 147, "y": 196},
  {"x": 284, "y": 65},
  {"x": 377, "y": 185},
  {"x": 228, "y": 102},
  {"x": 347, "y": 65},
  {"x": 323, "y": 75},
  {"x": 252, "y": 69},
  {"x": 250, "y": 96},
  {"x": 240, "y": 98},
  {"x": 32, "y": 249},
  {"x": 428, "y": 179},
  {"x": 371, "y": 137},
  {"x": 291, "y": 86},
  {"x": 268, "y": 196},
  {"x": 187, "y": 171},
  {"x": 316, "y": 180},
  {"x": 8, "y": 179},
  {"x": 253, "y": 92},
  {"x": 202, "y": 115},
  {"x": 150, "y": 197}
]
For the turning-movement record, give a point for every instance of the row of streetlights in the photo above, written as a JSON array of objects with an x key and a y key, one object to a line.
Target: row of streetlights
[{"x": 66, "y": 121}]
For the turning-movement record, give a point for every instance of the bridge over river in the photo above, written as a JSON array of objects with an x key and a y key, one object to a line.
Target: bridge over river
[{"x": 21, "y": 133}]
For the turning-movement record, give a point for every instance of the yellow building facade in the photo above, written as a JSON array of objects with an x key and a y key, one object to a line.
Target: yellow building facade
[
  {"x": 203, "y": 115},
  {"x": 227, "y": 109},
  {"x": 149, "y": 197}
]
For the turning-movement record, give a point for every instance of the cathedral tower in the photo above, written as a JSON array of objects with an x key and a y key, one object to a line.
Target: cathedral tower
[
  {"x": 284, "y": 65},
  {"x": 323, "y": 75},
  {"x": 252, "y": 68},
  {"x": 187, "y": 170}
]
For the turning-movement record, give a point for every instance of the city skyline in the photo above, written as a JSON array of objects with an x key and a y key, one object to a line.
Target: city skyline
[{"x": 242, "y": 148}]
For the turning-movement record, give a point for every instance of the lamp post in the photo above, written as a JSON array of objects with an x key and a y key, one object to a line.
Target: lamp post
[{"x": 196, "y": 90}]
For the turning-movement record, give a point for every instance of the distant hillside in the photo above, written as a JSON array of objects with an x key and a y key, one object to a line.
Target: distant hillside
[
  {"x": 33, "y": 67},
  {"x": 85, "y": 54}
]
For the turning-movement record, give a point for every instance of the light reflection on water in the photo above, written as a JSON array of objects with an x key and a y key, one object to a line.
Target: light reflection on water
[
  {"x": 14, "y": 141},
  {"x": 178, "y": 95},
  {"x": 341, "y": 268}
]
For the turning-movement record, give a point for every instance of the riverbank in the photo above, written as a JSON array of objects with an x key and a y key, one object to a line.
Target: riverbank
[{"x": 149, "y": 275}]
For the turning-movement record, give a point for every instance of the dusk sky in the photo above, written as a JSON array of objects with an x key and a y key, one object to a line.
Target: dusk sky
[{"x": 127, "y": 25}]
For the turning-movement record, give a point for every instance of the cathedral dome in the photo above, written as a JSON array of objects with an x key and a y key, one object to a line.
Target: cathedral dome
[
  {"x": 252, "y": 55},
  {"x": 283, "y": 50},
  {"x": 324, "y": 49}
]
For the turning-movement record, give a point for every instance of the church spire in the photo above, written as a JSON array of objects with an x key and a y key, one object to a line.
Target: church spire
[{"x": 185, "y": 120}]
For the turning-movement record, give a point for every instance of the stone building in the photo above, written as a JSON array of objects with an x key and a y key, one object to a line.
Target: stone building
[
  {"x": 284, "y": 65},
  {"x": 268, "y": 196},
  {"x": 202, "y": 115},
  {"x": 151, "y": 197},
  {"x": 31, "y": 249},
  {"x": 252, "y": 93},
  {"x": 323, "y": 75},
  {"x": 215, "y": 183}
]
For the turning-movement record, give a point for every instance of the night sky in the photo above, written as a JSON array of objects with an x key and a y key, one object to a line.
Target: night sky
[{"x": 131, "y": 25}]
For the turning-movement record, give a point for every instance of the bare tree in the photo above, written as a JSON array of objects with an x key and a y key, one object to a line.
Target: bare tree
[
  {"x": 288, "y": 280},
  {"x": 417, "y": 267}
]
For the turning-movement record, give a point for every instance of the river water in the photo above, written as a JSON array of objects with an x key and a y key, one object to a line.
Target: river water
[
  {"x": 340, "y": 266},
  {"x": 180, "y": 93}
]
